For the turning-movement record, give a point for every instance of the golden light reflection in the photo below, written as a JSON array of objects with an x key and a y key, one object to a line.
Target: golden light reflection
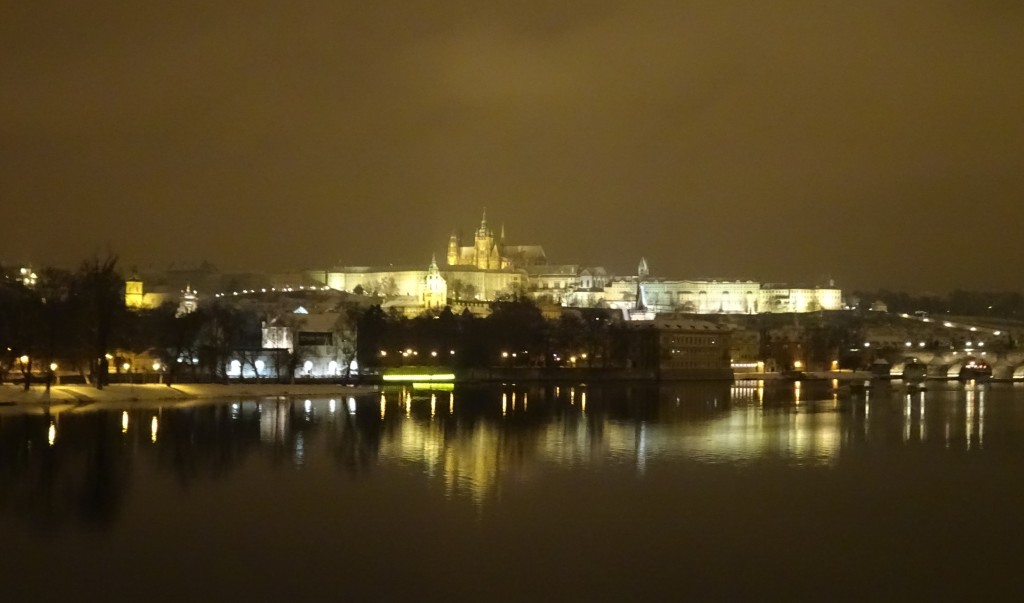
[
  {"x": 153, "y": 428},
  {"x": 908, "y": 417},
  {"x": 383, "y": 405},
  {"x": 583, "y": 401},
  {"x": 51, "y": 433},
  {"x": 981, "y": 418},
  {"x": 451, "y": 403},
  {"x": 504, "y": 403},
  {"x": 433, "y": 405},
  {"x": 969, "y": 415},
  {"x": 124, "y": 422},
  {"x": 920, "y": 425},
  {"x": 796, "y": 391}
]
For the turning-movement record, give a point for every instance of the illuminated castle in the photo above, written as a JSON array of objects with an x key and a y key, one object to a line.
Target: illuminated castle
[
  {"x": 491, "y": 253},
  {"x": 490, "y": 269}
]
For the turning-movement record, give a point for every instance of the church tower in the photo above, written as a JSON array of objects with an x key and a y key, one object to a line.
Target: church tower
[
  {"x": 189, "y": 302},
  {"x": 453, "y": 250},
  {"x": 642, "y": 271},
  {"x": 435, "y": 294},
  {"x": 134, "y": 296}
]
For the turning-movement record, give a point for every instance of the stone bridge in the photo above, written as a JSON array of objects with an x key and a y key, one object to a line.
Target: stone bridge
[{"x": 1006, "y": 366}]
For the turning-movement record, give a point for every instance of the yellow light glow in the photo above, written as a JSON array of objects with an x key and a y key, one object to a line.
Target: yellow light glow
[
  {"x": 434, "y": 386},
  {"x": 126, "y": 366},
  {"x": 583, "y": 401},
  {"x": 797, "y": 364},
  {"x": 124, "y": 422},
  {"x": 504, "y": 403},
  {"x": 24, "y": 359},
  {"x": 153, "y": 428},
  {"x": 425, "y": 377},
  {"x": 433, "y": 405},
  {"x": 53, "y": 366},
  {"x": 156, "y": 366},
  {"x": 51, "y": 433}
]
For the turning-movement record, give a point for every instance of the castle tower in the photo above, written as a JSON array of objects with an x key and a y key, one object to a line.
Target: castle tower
[
  {"x": 189, "y": 302},
  {"x": 483, "y": 243},
  {"x": 453, "y": 250},
  {"x": 435, "y": 293},
  {"x": 134, "y": 293}
]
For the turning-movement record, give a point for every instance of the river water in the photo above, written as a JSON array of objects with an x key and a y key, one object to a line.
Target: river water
[{"x": 610, "y": 492}]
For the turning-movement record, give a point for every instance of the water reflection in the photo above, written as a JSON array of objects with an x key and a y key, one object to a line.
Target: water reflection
[{"x": 68, "y": 463}]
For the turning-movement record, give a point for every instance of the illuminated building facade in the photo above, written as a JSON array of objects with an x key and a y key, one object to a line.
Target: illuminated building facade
[
  {"x": 702, "y": 296},
  {"x": 137, "y": 298},
  {"x": 490, "y": 268},
  {"x": 492, "y": 253},
  {"x": 680, "y": 348}
]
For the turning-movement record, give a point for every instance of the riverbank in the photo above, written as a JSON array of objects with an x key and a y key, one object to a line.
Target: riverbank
[
  {"x": 841, "y": 376},
  {"x": 11, "y": 395}
]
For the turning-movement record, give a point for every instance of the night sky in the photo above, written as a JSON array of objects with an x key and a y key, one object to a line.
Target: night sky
[{"x": 881, "y": 145}]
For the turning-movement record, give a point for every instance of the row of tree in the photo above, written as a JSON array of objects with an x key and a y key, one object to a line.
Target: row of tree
[
  {"x": 77, "y": 320},
  {"x": 515, "y": 333}
]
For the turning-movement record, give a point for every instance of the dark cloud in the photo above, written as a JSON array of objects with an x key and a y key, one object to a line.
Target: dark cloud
[{"x": 878, "y": 144}]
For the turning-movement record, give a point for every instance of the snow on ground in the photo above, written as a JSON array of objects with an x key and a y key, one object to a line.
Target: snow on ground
[{"x": 15, "y": 395}]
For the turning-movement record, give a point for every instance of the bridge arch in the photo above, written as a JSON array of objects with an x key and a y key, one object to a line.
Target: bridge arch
[
  {"x": 968, "y": 365},
  {"x": 908, "y": 367}
]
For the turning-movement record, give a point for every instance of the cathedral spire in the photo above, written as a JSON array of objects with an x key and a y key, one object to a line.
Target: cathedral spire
[{"x": 483, "y": 231}]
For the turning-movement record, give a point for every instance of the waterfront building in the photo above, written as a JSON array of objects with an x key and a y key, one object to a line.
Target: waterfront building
[
  {"x": 679, "y": 347},
  {"x": 320, "y": 344}
]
